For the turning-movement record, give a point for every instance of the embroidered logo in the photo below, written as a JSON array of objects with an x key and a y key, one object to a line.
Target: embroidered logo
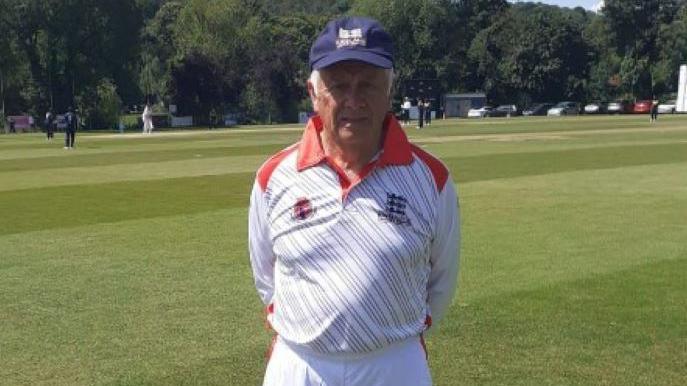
[
  {"x": 395, "y": 210},
  {"x": 350, "y": 38},
  {"x": 302, "y": 209}
]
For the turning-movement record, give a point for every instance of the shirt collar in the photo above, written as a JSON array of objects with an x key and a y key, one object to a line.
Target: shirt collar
[{"x": 395, "y": 148}]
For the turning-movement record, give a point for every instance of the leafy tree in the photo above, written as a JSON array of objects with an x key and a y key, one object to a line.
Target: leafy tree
[
  {"x": 158, "y": 50},
  {"x": 306, "y": 7},
  {"x": 605, "y": 62},
  {"x": 210, "y": 63},
  {"x": 467, "y": 19},
  {"x": 636, "y": 25},
  {"x": 242, "y": 58},
  {"x": 25, "y": 21},
  {"x": 195, "y": 85},
  {"x": 231, "y": 55},
  {"x": 152, "y": 78},
  {"x": 533, "y": 52},
  {"x": 11, "y": 72},
  {"x": 278, "y": 73},
  {"x": 70, "y": 46},
  {"x": 418, "y": 29},
  {"x": 672, "y": 48}
]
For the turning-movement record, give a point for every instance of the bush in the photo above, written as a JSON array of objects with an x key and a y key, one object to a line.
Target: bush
[
  {"x": 100, "y": 108},
  {"x": 132, "y": 122}
]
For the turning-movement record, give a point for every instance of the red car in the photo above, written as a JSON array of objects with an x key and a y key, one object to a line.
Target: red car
[{"x": 642, "y": 107}]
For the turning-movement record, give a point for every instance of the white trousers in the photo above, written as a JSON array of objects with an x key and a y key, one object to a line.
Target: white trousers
[{"x": 401, "y": 364}]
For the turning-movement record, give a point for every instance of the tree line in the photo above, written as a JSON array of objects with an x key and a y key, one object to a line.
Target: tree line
[{"x": 249, "y": 57}]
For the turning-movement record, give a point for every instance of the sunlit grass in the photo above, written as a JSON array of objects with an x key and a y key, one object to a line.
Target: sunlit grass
[{"x": 124, "y": 261}]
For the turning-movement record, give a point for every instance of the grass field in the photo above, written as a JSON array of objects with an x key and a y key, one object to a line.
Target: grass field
[{"x": 124, "y": 261}]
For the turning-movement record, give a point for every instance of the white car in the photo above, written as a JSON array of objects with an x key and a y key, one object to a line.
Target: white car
[
  {"x": 593, "y": 108},
  {"x": 667, "y": 107},
  {"x": 479, "y": 113}
]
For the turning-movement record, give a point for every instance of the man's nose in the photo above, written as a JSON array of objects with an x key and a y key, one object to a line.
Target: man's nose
[{"x": 355, "y": 97}]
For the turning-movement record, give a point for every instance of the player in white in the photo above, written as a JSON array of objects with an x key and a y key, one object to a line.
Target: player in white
[
  {"x": 405, "y": 106},
  {"x": 353, "y": 231},
  {"x": 147, "y": 118}
]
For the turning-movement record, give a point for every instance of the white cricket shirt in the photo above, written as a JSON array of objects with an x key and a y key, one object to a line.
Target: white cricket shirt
[{"x": 351, "y": 267}]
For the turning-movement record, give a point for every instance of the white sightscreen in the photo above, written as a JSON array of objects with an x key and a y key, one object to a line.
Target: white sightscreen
[{"x": 681, "y": 102}]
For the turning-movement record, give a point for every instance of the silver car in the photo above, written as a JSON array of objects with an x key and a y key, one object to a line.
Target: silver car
[{"x": 564, "y": 108}]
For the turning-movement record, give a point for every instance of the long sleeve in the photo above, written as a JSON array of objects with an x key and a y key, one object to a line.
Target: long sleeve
[
  {"x": 445, "y": 254},
  {"x": 260, "y": 245}
]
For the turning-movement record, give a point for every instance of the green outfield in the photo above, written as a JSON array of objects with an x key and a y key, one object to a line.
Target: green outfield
[{"x": 124, "y": 261}]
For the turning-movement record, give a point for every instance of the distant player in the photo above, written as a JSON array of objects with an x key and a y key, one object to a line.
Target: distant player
[
  {"x": 49, "y": 125},
  {"x": 70, "y": 130},
  {"x": 654, "y": 111}
]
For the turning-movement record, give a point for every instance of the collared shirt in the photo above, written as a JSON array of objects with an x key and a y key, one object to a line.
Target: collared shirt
[{"x": 353, "y": 266}]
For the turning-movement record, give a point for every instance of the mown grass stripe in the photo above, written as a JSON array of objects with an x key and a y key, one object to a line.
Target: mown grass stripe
[
  {"x": 181, "y": 138},
  {"x": 134, "y": 157},
  {"x": 520, "y": 125},
  {"x": 27, "y": 209},
  {"x": 465, "y": 169},
  {"x": 484, "y": 167},
  {"x": 36, "y": 179},
  {"x": 69, "y": 206}
]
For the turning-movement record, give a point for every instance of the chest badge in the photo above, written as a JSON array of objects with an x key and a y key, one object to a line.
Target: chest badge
[
  {"x": 302, "y": 209},
  {"x": 394, "y": 210}
]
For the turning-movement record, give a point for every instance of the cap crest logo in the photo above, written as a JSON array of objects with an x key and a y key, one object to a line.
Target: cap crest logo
[{"x": 350, "y": 38}]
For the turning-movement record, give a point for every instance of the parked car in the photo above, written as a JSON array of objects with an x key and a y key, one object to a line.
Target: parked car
[
  {"x": 594, "y": 108},
  {"x": 619, "y": 107},
  {"x": 503, "y": 111},
  {"x": 667, "y": 107},
  {"x": 564, "y": 108},
  {"x": 479, "y": 112},
  {"x": 537, "y": 109},
  {"x": 642, "y": 107}
]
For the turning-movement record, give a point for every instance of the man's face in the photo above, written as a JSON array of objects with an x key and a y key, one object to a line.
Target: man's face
[{"x": 352, "y": 100}]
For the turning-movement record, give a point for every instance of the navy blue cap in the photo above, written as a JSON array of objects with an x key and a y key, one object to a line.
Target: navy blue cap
[{"x": 352, "y": 38}]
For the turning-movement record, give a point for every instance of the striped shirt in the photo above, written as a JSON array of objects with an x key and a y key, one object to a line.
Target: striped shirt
[{"x": 353, "y": 267}]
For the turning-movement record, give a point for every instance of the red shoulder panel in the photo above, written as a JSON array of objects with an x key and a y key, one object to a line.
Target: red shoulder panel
[
  {"x": 437, "y": 168},
  {"x": 265, "y": 171}
]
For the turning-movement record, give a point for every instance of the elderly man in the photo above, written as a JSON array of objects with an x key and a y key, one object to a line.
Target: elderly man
[{"x": 353, "y": 231}]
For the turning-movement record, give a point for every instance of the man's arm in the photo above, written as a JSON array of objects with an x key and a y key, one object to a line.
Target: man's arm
[
  {"x": 260, "y": 245},
  {"x": 445, "y": 253}
]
